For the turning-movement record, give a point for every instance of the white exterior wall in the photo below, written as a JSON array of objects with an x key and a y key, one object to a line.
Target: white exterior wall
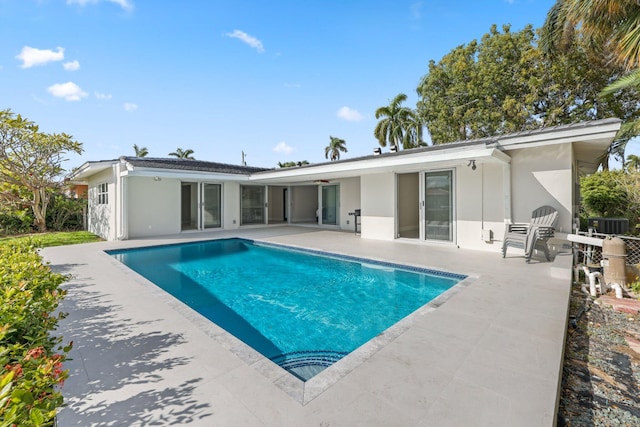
[
  {"x": 378, "y": 200},
  {"x": 479, "y": 206},
  {"x": 230, "y": 205},
  {"x": 542, "y": 176},
  {"x": 153, "y": 207},
  {"x": 349, "y": 201},
  {"x": 102, "y": 218}
]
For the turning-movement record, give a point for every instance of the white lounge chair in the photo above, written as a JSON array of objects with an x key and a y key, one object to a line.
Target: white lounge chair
[{"x": 533, "y": 235}]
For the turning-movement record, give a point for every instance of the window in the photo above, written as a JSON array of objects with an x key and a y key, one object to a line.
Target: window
[{"x": 103, "y": 194}]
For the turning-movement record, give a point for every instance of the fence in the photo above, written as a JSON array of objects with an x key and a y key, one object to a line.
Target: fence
[{"x": 593, "y": 254}]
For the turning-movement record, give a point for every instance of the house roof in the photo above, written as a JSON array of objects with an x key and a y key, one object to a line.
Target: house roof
[
  {"x": 590, "y": 139},
  {"x": 191, "y": 165}
]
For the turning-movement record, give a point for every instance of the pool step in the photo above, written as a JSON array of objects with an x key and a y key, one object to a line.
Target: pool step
[{"x": 306, "y": 364}]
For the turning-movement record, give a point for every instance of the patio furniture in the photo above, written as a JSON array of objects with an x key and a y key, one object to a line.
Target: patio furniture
[{"x": 534, "y": 235}]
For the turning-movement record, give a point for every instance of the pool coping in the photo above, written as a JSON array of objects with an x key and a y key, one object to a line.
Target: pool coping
[{"x": 301, "y": 391}]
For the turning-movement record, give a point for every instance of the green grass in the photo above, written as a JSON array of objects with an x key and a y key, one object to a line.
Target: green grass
[{"x": 56, "y": 238}]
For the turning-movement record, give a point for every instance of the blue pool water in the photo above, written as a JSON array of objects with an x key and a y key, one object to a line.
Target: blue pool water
[{"x": 302, "y": 310}]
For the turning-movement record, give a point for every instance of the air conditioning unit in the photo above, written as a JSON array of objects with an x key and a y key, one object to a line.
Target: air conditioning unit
[{"x": 609, "y": 225}]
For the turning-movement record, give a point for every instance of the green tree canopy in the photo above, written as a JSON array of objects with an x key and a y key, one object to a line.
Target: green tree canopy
[
  {"x": 182, "y": 154},
  {"x": 505, "y": 83},
  {"x": 336, "y": 145},
  {"x": 398, "y": 125},
  {"x": 31, "y": 163},
  {"x": 140, "y": 151},
  {"x": 603, "y": 195}
]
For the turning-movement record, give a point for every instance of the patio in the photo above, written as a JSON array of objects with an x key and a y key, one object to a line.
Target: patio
[{"x": 491, "y": 355}]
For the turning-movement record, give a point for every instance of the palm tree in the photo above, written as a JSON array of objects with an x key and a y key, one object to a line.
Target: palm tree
[
  {"x": 633, "y": 163},
  {"x": 401, "y": 126},
  {"x": 183, "y": 154},
  {"x": 610, "y": 27},
  {"x": 332, "y": 151},
  {"x": 140, "y": 151}
]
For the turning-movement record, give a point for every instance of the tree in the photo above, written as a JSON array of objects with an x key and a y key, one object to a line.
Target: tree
[
  {"x": 602, "y": 194},
  {"x": 336, "y": 145},
  {"x": 140, "y": 151},
  {"x": 183, "y": 154},
  {"x": 400, "y": 126},
  {"x": 611, "y": 31},
  {"x": 611, "y": 28},
  {"x": 505, "y": 83},
  {"x": 632, "y": 164},
  {"x": 31, "y": 160}
]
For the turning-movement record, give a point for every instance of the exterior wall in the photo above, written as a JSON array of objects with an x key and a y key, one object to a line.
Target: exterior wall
[
  {"x": 542, "y": 176},
  {"x": 230, "y": 205},
  {"x": 378, "y": 200},
  {"x": 349, "y": 201},
  {"x": 479, "y": 206},
  {"x": 102, "y": 217},
  {"x": 153, "y": 207},
  {"x": 304, "y": 203}
]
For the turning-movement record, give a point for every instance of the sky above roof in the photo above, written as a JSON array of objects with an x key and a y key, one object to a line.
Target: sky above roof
[{"x": 274, "y": 79}]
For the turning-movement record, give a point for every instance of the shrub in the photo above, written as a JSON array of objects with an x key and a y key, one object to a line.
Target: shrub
[
  {"x": 65, "y": 213},
  {"x": 17, "y": 221},
  {"x": 30, "y": 357}
]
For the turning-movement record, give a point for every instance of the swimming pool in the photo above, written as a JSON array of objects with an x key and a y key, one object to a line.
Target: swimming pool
[{"x": 302, "y": 310}]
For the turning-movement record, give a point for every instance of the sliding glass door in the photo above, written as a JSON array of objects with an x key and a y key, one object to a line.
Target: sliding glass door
[
  {"x": 438, "y": 212},
  {"x": 212, "y": 205},
  {"x": 201, "y": 206},
  {"x": 252, "y": 205},
  {"x": 330, "y": 198}
]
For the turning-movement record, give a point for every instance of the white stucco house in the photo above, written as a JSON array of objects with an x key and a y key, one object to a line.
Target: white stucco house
[{"x": 459, "y": 194}]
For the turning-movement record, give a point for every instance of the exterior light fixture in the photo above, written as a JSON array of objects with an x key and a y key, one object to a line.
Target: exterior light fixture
[{"x": 472, "y": 164}]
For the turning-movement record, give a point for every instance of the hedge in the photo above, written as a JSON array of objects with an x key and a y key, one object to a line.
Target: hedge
[{"x": 31, "y": 357}]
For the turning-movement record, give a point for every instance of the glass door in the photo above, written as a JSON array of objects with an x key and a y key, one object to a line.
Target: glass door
[
  {"x": 330, "y": 198},
  {"x": 211, "y": 205},
  {"x": 189, "y": 206},
  {"x": 252, "y": 205},
  {"x": 438, "y": 212}
]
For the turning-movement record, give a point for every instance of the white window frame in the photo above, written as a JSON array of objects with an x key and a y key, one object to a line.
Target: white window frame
[{"x": 102, "y": 193}]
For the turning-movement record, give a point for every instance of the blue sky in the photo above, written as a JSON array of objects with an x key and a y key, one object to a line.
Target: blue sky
[{"x": 273, "y": 78}]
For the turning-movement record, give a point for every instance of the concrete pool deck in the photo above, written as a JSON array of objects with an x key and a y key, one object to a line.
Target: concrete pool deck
[{"x": 491, "y": 355}]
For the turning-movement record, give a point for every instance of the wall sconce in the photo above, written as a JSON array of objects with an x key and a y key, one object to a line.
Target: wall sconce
[
  {"x": 157, "y": 178},
  {"x": 377, "y": 151},
  {"x": 393, "y": 148},
  {"x": 472, "y": 163}
]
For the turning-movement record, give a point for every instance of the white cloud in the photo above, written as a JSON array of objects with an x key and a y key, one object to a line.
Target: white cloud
[
  {"x": 250, "y": 40},
  {"x": 71, "y": 66},
  {"x": 31, "y": 56},
  {"x": 69, "y": 91},
  {"x": 103, "y": 96},
  {"x": 282, "y": 147},
  {"x": 125, "y": 4},
  {"x": 349, "y": 114},
  {"x": 129, "y": 107}
]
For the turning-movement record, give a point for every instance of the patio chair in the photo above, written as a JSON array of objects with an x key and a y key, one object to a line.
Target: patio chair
[{"x": 534, "y": 235}]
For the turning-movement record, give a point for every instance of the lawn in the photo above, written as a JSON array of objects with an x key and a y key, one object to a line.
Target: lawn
[{"x": 56, "y": 238}]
